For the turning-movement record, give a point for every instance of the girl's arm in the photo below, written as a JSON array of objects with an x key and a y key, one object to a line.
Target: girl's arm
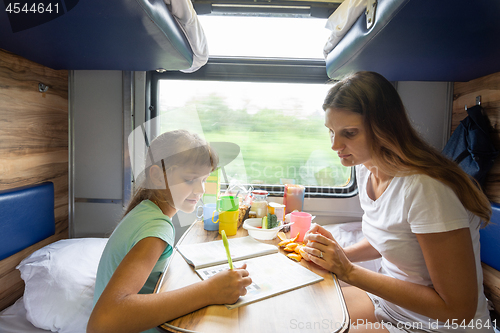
[
  {"x": 449, "y": 258},
  {"x": 121, "y": 309}
]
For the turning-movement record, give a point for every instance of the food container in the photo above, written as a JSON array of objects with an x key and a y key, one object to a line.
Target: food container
[
  {"x": 277, "y": 209},
  {"x": 259, "y": 203},
  {"x": 262, "y": 234},
  {"x": 243, "y": 213},
  {"x": 293, "y": 198}
]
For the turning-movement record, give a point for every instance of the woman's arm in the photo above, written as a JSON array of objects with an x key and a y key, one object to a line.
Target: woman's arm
[
  {"x": 121, "y": 309},
  {"x": 449, "y": 258}
]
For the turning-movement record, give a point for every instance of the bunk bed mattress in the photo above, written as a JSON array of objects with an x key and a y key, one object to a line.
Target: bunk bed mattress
[
  {"x": 422, "y": 40},
  {"x": 133, "y": 35}
]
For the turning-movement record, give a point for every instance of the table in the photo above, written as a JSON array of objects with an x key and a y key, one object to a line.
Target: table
[{"x": 319, "y": 307}]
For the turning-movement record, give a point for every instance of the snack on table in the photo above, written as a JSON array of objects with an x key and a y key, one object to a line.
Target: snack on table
[
  {"x": 294, "y": 256},
  {"x": 270, "y": 221},
  {"x": 296, "y": 249},
  {"x": 243, "y": 213}
]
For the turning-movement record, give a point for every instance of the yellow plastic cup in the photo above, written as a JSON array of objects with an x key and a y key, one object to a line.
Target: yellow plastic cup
[{"x": 228, "y": 221}]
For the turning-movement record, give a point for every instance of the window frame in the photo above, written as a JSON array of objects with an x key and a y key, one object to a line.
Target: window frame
[{"x": 255, "y": 70}]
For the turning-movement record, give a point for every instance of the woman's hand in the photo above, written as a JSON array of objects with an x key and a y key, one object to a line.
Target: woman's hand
[
  {"x": 227, "y": 286},
  {"x": 315, "y": 228},
  {"x": 323, "y": 250}
]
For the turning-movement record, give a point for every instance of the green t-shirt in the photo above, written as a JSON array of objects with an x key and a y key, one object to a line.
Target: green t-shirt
[{"x": 145, "y": 220}]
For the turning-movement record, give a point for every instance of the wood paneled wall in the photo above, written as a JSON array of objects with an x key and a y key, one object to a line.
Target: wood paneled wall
[
  {"x": 464, "y": 93},
  {"x": 33, "y": 146}
]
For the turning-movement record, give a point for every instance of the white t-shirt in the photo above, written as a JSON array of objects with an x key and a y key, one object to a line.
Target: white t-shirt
[{"x": 416, "y": 204}]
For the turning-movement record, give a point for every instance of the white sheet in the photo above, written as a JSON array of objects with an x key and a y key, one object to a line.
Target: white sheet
[
  {"x": 13, "y": 320},
  {"x": 186, "y": 16},
  {"x": 350, "y": 233},
  {"x": 341, "y": 21}
]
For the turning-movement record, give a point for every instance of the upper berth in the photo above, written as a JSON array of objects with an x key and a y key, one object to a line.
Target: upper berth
[
  {"x": 422, "y": 40},
  {"x": 135, "y": 35}
]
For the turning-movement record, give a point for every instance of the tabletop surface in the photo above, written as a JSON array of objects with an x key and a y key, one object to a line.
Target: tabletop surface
[{"x": 319, "y": 307}]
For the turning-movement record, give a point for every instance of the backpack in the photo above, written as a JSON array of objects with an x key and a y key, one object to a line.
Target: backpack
[{"x": 470, "y": 145}]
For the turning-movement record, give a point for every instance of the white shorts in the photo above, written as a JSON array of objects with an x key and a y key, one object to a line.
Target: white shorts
[
  {"x": 396, "y": 322},
  {"x": 392, "y": 324}
]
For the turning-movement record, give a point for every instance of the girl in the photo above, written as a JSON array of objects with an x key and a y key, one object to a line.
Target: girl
[
  {"x": 177, "y": 165},
  {"x": 421, "y": 215}
]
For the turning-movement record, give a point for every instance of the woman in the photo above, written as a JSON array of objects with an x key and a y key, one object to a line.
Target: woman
[
  {"x": 421, "y": 215},
  {"x": 177, "y": 166}
]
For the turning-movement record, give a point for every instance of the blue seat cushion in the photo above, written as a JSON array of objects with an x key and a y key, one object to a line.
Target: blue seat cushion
[
  {"x": 27, "y": 217},
  {"x": 490, "y": 236}
]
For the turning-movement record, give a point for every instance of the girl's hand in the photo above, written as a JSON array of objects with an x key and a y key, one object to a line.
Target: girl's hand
[
  {"x": 324, "y": 251},
  {"x": 227, "y": 286}
]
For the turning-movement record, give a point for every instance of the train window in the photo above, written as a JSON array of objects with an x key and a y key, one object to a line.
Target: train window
[
  {"x": 267, "y": 103},
  {"x": 259, "y": 36}
]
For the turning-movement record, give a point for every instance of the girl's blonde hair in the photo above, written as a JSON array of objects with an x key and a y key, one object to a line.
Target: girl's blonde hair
[
  {"x": 396, "y": 148},
  {"x": 177, "y": 148}
]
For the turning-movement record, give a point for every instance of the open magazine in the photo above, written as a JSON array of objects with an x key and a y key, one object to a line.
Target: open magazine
[{"x": 272, "y": 273}]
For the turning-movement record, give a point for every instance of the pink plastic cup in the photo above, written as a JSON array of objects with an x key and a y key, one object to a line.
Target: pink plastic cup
[{"x": 301, "y": 224}]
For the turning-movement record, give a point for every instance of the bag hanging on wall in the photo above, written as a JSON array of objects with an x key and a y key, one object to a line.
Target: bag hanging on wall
[{"x": 470, "y": 145}]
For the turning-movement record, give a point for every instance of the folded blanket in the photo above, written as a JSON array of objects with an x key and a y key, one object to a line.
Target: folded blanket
[
  {"x": 341, "y": 21},
  {"x": 187, "y": 18}
]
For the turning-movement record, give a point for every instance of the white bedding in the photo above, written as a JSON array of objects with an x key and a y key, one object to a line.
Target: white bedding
[
  {"x": 341, "y": 21},
  {"x": 350, "y": 233},
  {"x": 13, "y": 320},
  {"x": 187, "y": 18},
  {"x": 59, "y": 288}
]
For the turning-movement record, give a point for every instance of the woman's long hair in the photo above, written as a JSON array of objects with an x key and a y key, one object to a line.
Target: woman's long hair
[
  {"x": 178, "y": 148},
  {"x": 396, "y": 148}
]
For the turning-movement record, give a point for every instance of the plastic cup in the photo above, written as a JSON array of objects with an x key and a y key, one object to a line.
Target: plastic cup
[
  {"x": 228, "y": 203},
  {"x": 228, "y": 221},
  {"x": 207, "y": 213},
  {"x": 301, "y": 224},
  {"x": 293, "y": 197}
]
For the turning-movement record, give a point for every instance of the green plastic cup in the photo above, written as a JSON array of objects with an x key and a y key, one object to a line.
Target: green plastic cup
[{"x": 228, "y": 203}]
